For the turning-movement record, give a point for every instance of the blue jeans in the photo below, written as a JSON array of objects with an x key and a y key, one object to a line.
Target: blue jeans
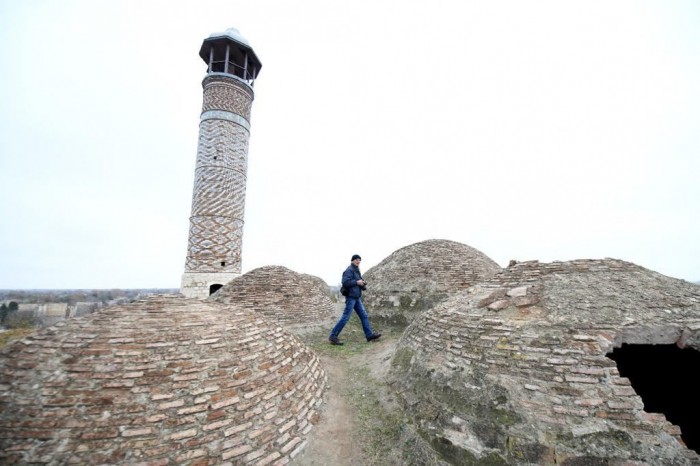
[{"x": 350, "y": 304}]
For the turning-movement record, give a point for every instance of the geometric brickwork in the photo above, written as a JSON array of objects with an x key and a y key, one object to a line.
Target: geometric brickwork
[
  {"x": 416, "y": 277},
  {"x": 214, "y": 245},
  {"x": 515, "y": 370},
  {"x": 218, "y": 182},
  {"x": 228, "y": 95},
  {"x": 218, "y": 197},
  {"x": 165, "y": 380},
  {"x": 281, "y": 295}
]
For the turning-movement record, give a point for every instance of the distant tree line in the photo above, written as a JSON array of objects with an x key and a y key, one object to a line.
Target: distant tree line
[
  {"x": 75, "y": 296},
  {"x": 10, "y": 300},
  {"x": 6, "y": 309}
]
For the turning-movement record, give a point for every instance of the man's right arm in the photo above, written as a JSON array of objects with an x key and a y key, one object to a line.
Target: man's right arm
[{"x": 349, "y": 278}]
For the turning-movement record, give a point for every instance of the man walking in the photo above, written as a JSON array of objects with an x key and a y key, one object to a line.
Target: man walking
[{"x": 353, "y": 282}]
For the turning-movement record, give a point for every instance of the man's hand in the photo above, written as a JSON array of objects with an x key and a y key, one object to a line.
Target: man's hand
[{"x": 360, "y": 282}]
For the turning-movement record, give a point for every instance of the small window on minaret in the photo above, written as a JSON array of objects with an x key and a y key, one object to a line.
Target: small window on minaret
[{"x": 223, "y": 264}]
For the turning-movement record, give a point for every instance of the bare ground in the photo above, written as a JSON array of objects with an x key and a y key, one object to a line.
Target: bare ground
[{"x": 359, "y": 420}]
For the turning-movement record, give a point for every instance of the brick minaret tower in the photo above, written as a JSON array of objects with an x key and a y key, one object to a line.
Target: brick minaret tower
[{"x": 218, "y": 198}]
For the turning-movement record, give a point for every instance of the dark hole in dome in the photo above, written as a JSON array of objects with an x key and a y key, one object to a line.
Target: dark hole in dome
[
  {"x": 214, "y": 288},
  {"x": 663, "y": 376}
]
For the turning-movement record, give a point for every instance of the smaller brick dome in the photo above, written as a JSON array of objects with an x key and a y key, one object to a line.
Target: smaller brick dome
[
  {"x": 418, "y": 276},
  {"x": 159, "y": 381},
  {"x": 515, "y": 370},
  {"x": 282, "y": 295},
  {"x": 319, "y": 282}
]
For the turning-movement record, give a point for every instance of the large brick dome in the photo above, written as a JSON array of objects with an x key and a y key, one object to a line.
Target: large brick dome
[
  {"x": 518, "y": 370},
  {"x": 159, "y": 381},
  {"x": 282, "y": 295},
  {"x": 417, "y": 277}
]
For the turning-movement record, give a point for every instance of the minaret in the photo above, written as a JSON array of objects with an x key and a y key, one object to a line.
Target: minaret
[{"x": 218, "y": 198}]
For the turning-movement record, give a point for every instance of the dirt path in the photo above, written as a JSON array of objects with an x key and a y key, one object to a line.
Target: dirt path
[
  {"x": 332, "y": 438},
  {"x": 354, "y": 415}
]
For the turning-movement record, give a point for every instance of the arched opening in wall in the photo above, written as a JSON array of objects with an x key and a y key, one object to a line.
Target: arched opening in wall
[
  {"x": 214, "y": 288},
  {"x": 663, "y": 376}
]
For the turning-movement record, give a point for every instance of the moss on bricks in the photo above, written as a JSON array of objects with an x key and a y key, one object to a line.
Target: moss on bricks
[
  {"x": 458, "y": 456},
  {"x": 532, "y": 453},
  {"x": 402, "y": 359}
]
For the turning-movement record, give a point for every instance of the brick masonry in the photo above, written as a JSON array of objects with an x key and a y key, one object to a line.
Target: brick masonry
[
  {"x": 165, "y": 380},
  {"x": 516, "y": 366},
  {"x": 512, "y": 370},
  {"x": 281, "y": 295},
  {"x": 218, "y": 197},
  {"x": 417, "y": 277}
]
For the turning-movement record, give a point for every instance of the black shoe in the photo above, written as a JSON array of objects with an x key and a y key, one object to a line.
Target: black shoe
[
  {"x": 374, "y": 336},
  {"x": 335, "y": 341}
]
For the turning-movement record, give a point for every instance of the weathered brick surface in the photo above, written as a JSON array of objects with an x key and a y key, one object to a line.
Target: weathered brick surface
[
  {"x": 418, "y": 276},
  {"x": 166, "y": 380},
  {"x": 282, "y": 295},
  {"x": 218, "y": 196},
  {"x": 528, "y": 377}
]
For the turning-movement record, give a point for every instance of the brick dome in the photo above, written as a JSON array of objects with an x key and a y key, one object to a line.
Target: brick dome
[
  {"x": 516, "y": 370},
  {"x": 282, "y": 295},
  {"x": 417, "y": 277},
  {"x": 159, "y": 381},
  {"x": 319, "y": 283}
]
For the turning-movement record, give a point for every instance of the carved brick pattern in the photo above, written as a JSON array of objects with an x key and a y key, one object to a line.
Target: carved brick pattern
[
  {"x": 219, "y": 192},
  {"x": 221, "y": 93},
  {"x": 162, "y": 381},
  {"x": 214, "y": 240},
  {"x": 223, "y": 144},
  {"x": 213, "y": 264},
  {"x": 218, "y": 196},
  {"x": 532, "y": 340},
  {"x": 282, "y": 295}
]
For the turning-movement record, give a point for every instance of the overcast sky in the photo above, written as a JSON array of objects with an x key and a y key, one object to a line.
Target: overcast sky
[{"x": 548, "y": 130}]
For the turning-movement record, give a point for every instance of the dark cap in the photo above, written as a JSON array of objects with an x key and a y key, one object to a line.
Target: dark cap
[{"x": 355, "y": 256}]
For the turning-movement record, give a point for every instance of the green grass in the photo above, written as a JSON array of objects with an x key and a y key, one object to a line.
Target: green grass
[
  {"x": 352, "y": 337},
  {"x": 379, "y": 430},
  {"x": 14, "y": 334}
]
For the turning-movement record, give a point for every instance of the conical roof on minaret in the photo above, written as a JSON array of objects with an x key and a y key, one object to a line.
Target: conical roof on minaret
[{"x": 229, "y": 35}]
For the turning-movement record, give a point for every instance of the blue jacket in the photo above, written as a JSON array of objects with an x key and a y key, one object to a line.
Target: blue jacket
[{"x": 349, "y": 281}]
